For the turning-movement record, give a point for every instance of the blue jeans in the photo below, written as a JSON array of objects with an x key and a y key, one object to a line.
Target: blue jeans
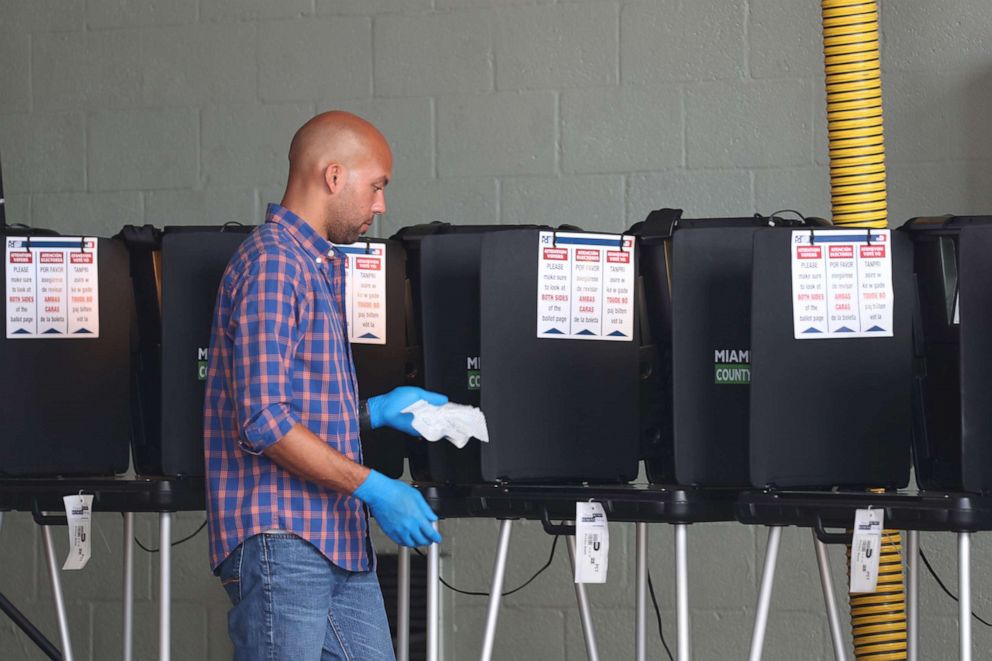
[{"x": 290, "y": 602}]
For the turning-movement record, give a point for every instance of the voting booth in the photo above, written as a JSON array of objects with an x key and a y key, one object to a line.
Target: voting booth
[
  {"x": 442, "y": 262},
  {"x": 175, "y": 273},
  {"x": 831, "y": 358},
  {"x": 64, "y": 355},
  {"x": 697, "y": 291},
  {"x": 952, "y": 394},
  {"x": 538, "y": 327}
]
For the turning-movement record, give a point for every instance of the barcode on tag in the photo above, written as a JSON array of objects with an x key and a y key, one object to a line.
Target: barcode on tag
[
  {"x": 592, "y": 543},
  {"x": 866, "y": 546}
]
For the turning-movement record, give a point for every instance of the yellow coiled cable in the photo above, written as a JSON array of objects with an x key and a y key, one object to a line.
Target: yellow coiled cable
[{"x": 858, "y": 198}]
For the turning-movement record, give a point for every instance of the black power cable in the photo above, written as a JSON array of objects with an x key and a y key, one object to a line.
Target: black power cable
[
  {"x": 175, "y": 543},
  {"x": 470, "y": 593},
  {"x": 944, "y": 587},
  {"x": 657, "y": 613}
]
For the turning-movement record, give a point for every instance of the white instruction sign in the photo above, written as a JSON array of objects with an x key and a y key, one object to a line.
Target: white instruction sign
[
  {"x": 585, "y": 286},
  {"x": 866, "y": 547},
  {"x": 365, "y": 289},
  {"x": 52, "y": 287},
  {"x": 79, "y": 514},
  {"x": 592, "y": 543},
  {"x": 841, "y": 284}
]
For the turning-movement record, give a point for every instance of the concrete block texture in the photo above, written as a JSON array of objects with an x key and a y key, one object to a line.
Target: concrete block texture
[
  {"x": 467, "y": 200},
  {"x": 372, "y": 7},
  {"x": 42, "y": 15},
  {"x": 102, "y": 214},
  {"x": 621, "y": 129},
  {"x": 932, "y": 189},
  {"x": 493, "y": 134},
  {"x": 201, "y": 207},
  {"x": 43, "y": 152},
  {"x": 764, "y": 123},
  {"x": 785, "y": 38},
  {"x": 449, "y": 53},
  {"x": 571, "y": 45},
  {"x": 521, "y": 633},
  {"x": 808, "y": 187},
  {"x": 15, "y": 76},
  {"x": 101, "y": 14},
  {"x": 191, "y": 66},
  {"x": 672, "y": 40},
  {"x": 253, "y": 10},
  {"x": 309, "y": 59},
  {"x": 593, "y": 202},
  {"x": 699, "y": 193},
  {"x": 950, "y": 36},
  {"x": 86, "y": 70},
  {"x": 456, "y": 4},
  {"x": 143, "y": 150},
  {"x": 245, "y": 145}
]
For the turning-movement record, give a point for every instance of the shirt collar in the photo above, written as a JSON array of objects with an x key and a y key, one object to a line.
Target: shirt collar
[{"x": 315, "y": 245}]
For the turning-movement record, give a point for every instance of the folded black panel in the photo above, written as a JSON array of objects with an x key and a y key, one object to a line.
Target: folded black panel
[
  {"x": 953, "y": 430},
  {"x": 193, "y": 262},
  {"x": 64, "y": 402},
  {"x": 382, "y": 367},
  {"x": 711, "y": 344},
  {"x": 450, "y": 320},
  {"x": 827, "y": 412},
  {"x": 557, "y": 409},
  {"x": 697, "y": 285},
  {"x": 442, "y": 263}
]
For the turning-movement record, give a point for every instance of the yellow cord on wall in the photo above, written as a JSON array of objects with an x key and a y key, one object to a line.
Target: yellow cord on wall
[
  {"x": 854, "y": 113},
  {"x": 858, "y": 198}
]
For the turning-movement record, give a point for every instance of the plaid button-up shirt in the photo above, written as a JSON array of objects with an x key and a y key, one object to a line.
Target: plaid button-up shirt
[{"x": 279, "y": 355}]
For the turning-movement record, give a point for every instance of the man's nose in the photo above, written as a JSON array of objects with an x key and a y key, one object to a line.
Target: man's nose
[{"x": 379, "y": 204}]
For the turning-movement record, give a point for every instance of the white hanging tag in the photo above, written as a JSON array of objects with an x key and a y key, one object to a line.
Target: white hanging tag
[
  {"x": 592, "y": 543},
  {"x": 78, "y": 509},
  {"x": 866, "y": 547}
]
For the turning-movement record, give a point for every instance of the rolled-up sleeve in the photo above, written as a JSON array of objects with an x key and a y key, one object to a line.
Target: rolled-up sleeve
[{"x": 265, "y": 332}]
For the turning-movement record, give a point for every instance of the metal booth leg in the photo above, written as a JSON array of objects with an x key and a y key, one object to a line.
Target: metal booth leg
[
  {"x": 53, "y": 573},
  {"x": 165, "y": 585},
  {"x": 433, "y": 600},
  {"x": 640, "y": 629},
  {"x": 682, "y": 591},
  {"x": 964, "y": 587},
  {"x": 128, "y": 586},
  {"x": 913, "y": 594},
  {"x": 496, "y": 590},
  {"x": 830, "y": 601},
  {"x": 584, "y": 612},
  {"x": 765, "y": 595},
  {"x": 403, "y": 603}
]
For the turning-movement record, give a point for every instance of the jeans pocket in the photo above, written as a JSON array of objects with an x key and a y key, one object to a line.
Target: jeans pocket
[{"x": 230, "y": 575}]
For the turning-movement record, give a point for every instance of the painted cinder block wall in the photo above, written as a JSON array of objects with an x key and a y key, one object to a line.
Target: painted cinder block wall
[{"x": 499, "y": 111}]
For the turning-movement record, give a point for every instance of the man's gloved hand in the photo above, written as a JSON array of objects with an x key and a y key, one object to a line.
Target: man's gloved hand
[
  {"x": 401, "y": 511},
  {"x": 387, "y": 409}
]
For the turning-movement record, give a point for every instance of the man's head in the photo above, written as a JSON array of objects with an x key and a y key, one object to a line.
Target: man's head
[{"x": 339, "y": 165}]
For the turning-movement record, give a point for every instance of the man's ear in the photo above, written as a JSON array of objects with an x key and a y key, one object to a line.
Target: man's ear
[{"x": 334, "y": 177}]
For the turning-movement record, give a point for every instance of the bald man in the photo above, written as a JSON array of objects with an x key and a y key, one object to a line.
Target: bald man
[{"x": 288, "y": 496}]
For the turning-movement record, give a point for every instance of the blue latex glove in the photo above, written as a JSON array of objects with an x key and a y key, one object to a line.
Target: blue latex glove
[
  {"x": 401, "y": 511},
  {"x": 387, "y": 409}
]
